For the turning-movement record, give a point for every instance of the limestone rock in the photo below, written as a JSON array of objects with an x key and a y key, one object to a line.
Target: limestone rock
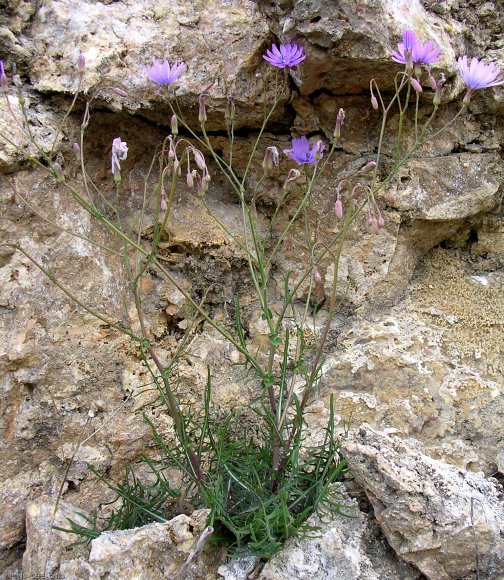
[
  {"x": 446, "y": 521},
  {"x": 155, "y": 550},
  {"x": 344, "y": 548},
  {"x": 46, "y": 547}
]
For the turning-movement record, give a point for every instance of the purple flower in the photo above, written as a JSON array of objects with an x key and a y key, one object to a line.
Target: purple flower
[
  {"x": 479, "y": 75},
  {"x": 287, "y": 55},
  {"x": 418, "y": 52},
  {"x": 163, "y": 73},
  {"x": 301, "y": 152},
  {"x": 119, "y": 153}
]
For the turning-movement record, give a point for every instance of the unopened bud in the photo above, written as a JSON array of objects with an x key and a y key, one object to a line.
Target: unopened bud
[
  {"x": 76, "y": 149},
  {"x": 416, "y": 85},
  {"x": 120, "y": 91},
  {"x": 200, "y": 160},
  {"x": 202, "y": 116},
  {"x": 176, "y": 167},
  {"x": 81, "y": 64},
  {"x": 432, "y": 83},
  {"x": 381, "y": 221},
  {"x": 4, "y": 82},
  {"x": 190, "y": 178},
  {"x": 338, "y": 208},
  {"x": 58, "y": 172},
  {"x": 339, "y": 121},
  {"x": 370, "y": 165},
  {"x": 271, "y": 159},
  {"x": 317, "y": 276},
  {"x": 171, "y": 150},
  {"x": 16, "y": 79},
  {"x": 374, "y": 102},
  {"x": 164, "y": 202},
  {"x": 174, "y": 125},
  {"x": 374, "y": 225}
]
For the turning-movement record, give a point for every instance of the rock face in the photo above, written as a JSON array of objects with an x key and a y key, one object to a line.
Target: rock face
[
  {"x": 417, "y": 347},
  {"x": 446, "y": 521},
  {"x": 343, "y": 548}
]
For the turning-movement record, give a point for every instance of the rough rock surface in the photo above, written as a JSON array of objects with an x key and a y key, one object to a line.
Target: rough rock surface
[
  {"x": 446, "y": 521},
  {"x": 344, "y": 548}
]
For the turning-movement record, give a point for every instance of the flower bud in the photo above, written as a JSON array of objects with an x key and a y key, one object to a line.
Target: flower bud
[
  {"x": 271, "y": 159},
  {"x": 163, "y": 202},
  {"x": 381, "y": 221},
  {"x": 58, "y": 172},
  {"x": 202, "y": 116},
  {"x": 339, "y": 121},
  {"x": 370, "y": 165},
  {"x": 81, "y": 64},
  {"x": 317, "y": 276},
  {"x": 200, "y": 160},
  {"x": 374, "y": 102},
  {"x": 4, "y": 82},
  {"x": 174, "y": 125},
  {"x": 338, "y": 208},
  {"x": 76, "y": 149},
  {"x": 120, "y": 91},
  {"x": 432, "y": 83},
  {"x": 416, "y": 85}
]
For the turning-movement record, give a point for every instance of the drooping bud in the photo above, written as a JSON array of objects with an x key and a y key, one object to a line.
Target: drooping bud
[
  {"x": 200, "y": 160},
  {"x": 190, "y": 177},
  {"x": 381, "y": 221},
  {"x": 370, "y": 165},
  {"x": 174, "y": 125},
  {"x": 4, "y": 82},
  {"x": 338, "y": 208},
  {"x": 171, "y": 150},
  {"x": 76, "y": 149},
  {"x": 416, "y": 85},
  {"x": 202, "y": 116},
  {"x": 58, "y": 172},
  {"x": 271, "y": 159},
  {"x": 81, "y": 64},
  {"x": 120, "y": 92},
  {"x": 163, "y": 204},
  {"x": 432, "y": 82},
  {"x": 317, "y": 276},
  {"x": 339, "y": 121}
]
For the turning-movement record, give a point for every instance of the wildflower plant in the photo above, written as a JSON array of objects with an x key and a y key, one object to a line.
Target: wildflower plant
[{"x": 260, "y": 487}]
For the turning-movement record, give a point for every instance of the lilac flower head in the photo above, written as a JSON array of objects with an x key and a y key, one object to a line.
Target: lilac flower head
[
  {"x": 419, "y": 53},
  {"x": 119, "y": 153},
  {"x": 163, "y": 73},
  {"x": 301, "y": 152},
  {"x": 287, "y": 55},
  {"x": 479, "y": 75}
]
